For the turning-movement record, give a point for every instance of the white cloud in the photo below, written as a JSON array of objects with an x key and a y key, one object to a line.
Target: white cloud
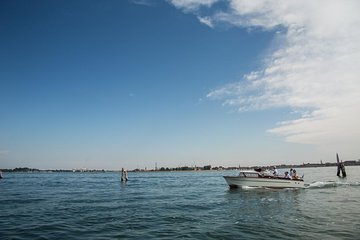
[
  {"x": 207, "y": 21},
  {"x": 314, "y": 69},
  {"x": 143, "y": 2},
  {"x": 192, "y": 4}
]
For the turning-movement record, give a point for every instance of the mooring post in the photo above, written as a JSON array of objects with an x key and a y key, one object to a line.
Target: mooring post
[
  {"x": 122, "y": 175},
  {"x": 340, "y": 166}
]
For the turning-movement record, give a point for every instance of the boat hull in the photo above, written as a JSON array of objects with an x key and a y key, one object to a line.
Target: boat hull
[{"x": 236, "y": 181}]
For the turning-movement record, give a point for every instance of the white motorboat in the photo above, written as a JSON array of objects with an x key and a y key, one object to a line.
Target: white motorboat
[{"x": 252, "y": 178}]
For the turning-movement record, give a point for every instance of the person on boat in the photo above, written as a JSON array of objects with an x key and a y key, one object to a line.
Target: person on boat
[
  {"x": 276, "y": 173},
  {"x": 294, "y": 175},
  {"x": 291, "y": 172},
  {"x": 287, "y": 175}
]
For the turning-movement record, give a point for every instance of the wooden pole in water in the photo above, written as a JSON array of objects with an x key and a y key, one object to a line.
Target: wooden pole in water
[
  {"x": 340, "y": 166},
  {"x": 124, "y": 175}
]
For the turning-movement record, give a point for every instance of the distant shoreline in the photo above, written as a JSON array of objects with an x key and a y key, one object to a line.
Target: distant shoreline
[{"x": 185, "y": 168}]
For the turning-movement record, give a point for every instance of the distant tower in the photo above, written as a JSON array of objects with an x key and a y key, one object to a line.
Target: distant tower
[
  {"x": 156, "y": 166},
  {"x": 321, "y": 162}
]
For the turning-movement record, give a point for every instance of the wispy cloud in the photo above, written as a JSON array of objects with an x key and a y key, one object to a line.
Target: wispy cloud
[
  {"x": 143, "y": 2},
  {"x": 315, "y": 69},
  {"x": 207, "y": 21},
  {"x": 189, "y": 5}
]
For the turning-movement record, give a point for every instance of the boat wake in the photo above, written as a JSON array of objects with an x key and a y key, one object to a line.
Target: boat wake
[
  {"x": 247, "y": 188},
  {"x": 331, "y": 184}
]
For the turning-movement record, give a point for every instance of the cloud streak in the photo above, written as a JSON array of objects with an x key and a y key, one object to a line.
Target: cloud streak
[
  {"x": 192, "y": 5},
  {"x": 314, "y": 69}
]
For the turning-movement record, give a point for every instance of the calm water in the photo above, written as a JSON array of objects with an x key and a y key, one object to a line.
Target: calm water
[{"x": 196, "y": 205}]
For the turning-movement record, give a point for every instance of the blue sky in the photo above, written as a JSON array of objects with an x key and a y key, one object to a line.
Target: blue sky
[{"x": 111, "y": 84}]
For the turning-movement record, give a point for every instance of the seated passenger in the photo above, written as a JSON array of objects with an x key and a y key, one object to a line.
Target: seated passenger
[
  {"x": 287, "y": 175},
  {"x": 294, "y": 175}
]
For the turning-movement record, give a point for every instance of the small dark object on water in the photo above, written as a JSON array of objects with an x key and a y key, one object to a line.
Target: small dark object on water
[
  {"x": 124, "y": 175},
  {"x": 340, "y": 166}
]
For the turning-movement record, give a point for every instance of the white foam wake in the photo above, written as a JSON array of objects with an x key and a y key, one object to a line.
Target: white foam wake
[{"x": 329, "y": 184}]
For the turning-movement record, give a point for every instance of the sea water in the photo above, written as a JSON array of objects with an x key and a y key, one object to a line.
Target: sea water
[{"x": 169, "y": 205}]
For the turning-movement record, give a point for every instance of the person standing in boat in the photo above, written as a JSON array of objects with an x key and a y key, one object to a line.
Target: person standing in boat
[{"x": 276, "y": 173}]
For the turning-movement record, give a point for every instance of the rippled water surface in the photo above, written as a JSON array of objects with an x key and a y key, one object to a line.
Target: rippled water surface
[{"x": 168, "y": 205}]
